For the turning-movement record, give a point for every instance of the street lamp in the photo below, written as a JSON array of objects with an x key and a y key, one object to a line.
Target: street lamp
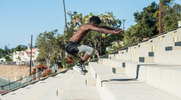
[
  {"x": 65, "y": 28},
  {"x": 69, "y": 13}
]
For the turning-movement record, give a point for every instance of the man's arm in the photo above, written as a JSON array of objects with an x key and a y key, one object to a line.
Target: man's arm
[
  {"x": 103, "y": 30},
  {"x": 106, "y": 27},
  {"x": 109, "y": 28}
]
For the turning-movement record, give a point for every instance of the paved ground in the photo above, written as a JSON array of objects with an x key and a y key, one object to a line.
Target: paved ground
[{"x": 71, "y": 84}]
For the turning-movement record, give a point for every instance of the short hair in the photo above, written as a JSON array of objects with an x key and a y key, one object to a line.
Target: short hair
[{"x": 95, "y": 19}]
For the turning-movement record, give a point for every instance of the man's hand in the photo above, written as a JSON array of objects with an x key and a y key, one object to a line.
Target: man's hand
[
  {"x": 117, "y": 32},
  {"x": 117, "y": 29}
]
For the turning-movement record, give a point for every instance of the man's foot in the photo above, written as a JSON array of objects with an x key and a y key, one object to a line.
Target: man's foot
[
  {"x": 83, "y": 67},
  {"x": 79, "y": 69}
]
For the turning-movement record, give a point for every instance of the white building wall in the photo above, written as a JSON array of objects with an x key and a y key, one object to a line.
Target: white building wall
[
  {"x": 2, "y": 59},
  {"x": 24, "y": 56},
  {"x": 15, "y": 56}
]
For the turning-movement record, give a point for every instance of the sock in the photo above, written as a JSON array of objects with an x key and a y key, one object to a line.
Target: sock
[{"x": 81, "y": 61}]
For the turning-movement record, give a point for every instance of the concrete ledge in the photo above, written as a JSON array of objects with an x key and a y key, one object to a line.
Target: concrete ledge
[
  {"x": 60, "y": 92},
  {"x": 123, "y": 51},
  {"x": 146, "y": 59},
  {"x": 122, "y": 87},
  {"x": 165, "y": 77},
  {"x": 118, "y": 56},
  {"x": 168, "y": 57},
  {"x": 90, "y": 81},
  {"x": 170, "y": 48},
  {"x": 125, "y": 56},
  {"x": 87, "y": 67},
  {"x": 178, "y": 43},
  {"x": 176, "y": 47},
  {"x": 118, "y": 70},
  {"x": 100, "y": 61},
  {"x": 111, "y": 56}
]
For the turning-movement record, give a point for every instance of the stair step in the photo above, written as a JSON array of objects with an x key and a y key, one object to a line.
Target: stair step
[
  {"x": 90, "y": 81},
  {"x": 170, "y": 48},
  {"x": 146, "y": 59},
  {"x": 178, "y": 43},
  {"x": 122, "y": 87},
  {"x": 118, "y": 70},
  {"x": 168, "y": 57},
  {"x": 162, "y": 74}
]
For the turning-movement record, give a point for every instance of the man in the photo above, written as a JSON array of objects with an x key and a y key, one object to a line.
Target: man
[{"x": 73, "y": 46}]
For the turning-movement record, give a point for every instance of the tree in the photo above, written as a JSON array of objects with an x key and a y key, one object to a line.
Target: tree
[
  {"x": 170, "y": 15},
  {"x": 2, "y": 53},
  {"x": 8, "y": 58},
  {"x": 95, "y": 39},
  {"x": 21, "y": 48},
  {"x": 49, "y": 46},
  {"x": 148, "y": 21}
]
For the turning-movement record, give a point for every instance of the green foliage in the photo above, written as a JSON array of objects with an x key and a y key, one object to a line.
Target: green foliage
[
  {"x": 91, "y": 14},
  {"x": 171, "y": 14},
  {"x": 148, "y": 21},
  {"x": 21, "y": 48},
  {"x": 2, "y": 53},
  {"x": 50, "y": 45},
  {"x": 8, "y": 58},
  {"x": 6, "y": 51}
]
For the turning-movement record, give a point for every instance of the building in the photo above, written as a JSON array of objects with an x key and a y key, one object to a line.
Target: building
[
  {"x": 2, "y": 59},
  {"x": 21, "y": 57}
]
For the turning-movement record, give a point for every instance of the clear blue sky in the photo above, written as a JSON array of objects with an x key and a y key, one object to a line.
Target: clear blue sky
[{"x": 19, "y": 19}]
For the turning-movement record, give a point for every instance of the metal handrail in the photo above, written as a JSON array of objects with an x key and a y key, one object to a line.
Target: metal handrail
[{"x": 25, "y": 80}]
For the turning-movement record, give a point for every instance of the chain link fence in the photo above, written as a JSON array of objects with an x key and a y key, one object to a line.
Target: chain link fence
[{"x": 10, "y": 85}]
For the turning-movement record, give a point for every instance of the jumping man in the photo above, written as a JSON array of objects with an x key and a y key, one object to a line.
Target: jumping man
[{"x": 73, "y": 46}]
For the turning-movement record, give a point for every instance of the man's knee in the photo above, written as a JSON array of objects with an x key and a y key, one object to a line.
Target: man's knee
[{"x": 90, "y": 51}]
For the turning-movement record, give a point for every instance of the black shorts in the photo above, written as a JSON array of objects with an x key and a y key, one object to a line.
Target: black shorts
[{"x": 71, "y": 48}]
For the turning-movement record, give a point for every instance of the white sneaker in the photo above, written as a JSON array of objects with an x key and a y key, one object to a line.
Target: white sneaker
[
  {"x": 83, "y": 67},
  {"x": 79, "y": 69}
]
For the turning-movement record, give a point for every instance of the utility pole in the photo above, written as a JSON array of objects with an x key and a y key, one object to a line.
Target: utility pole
[
  {"x": 123, "y": 23},
  {"x": 31, "y": 54},
  {"x": 65, "y": 28},
  {"x": 160, "y": 17}
]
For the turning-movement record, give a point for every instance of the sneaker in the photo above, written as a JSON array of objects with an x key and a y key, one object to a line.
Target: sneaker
[
  {"x": 79, "y": 69},
  {"x": 83, "y": 67}
]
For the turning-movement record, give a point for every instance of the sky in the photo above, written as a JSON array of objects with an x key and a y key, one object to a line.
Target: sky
[{"x": 19, "y": 19}]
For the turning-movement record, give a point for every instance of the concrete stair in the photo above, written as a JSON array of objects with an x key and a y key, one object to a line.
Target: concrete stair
[
  {"x": 123, "y": 87},
  {"x": 149, "y": 70}
]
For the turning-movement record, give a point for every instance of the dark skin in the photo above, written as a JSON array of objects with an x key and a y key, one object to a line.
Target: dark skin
[{"x": 84, "y": 29}]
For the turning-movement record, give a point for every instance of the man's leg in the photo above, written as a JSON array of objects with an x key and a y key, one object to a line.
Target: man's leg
[
  {"x": 85, "y": 57},
  {"x": 88, "y": 52}
]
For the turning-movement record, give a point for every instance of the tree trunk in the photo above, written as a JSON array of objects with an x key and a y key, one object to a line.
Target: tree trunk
[
  {"x": 48, "y": 63},
  {"x": 97, "y": 53}
]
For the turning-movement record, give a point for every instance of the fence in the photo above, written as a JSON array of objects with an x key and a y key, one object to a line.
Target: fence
[
  {"x": 18, "y": 63},
  {"x": 25, "y": 80}
]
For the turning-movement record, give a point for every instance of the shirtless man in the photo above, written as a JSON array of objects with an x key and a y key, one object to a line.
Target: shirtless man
[{"x": 73, "y": 46}]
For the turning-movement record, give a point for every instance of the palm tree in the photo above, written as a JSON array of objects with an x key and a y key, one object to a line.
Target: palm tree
[{"x": 65, "y": 28}]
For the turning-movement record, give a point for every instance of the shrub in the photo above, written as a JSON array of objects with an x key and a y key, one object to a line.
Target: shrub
[
  {"x": 41, "y": 67},
  {"x": 46, "y": 73}
]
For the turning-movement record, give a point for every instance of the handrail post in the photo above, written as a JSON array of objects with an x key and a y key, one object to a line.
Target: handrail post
[{"x": 9, "y": 84}]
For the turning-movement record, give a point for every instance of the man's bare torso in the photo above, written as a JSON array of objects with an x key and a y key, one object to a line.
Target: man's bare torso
[{"x": 81, "y": 33}]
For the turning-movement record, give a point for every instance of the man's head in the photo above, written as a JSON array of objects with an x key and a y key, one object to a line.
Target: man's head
[{"x": 95, "y": 20}]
